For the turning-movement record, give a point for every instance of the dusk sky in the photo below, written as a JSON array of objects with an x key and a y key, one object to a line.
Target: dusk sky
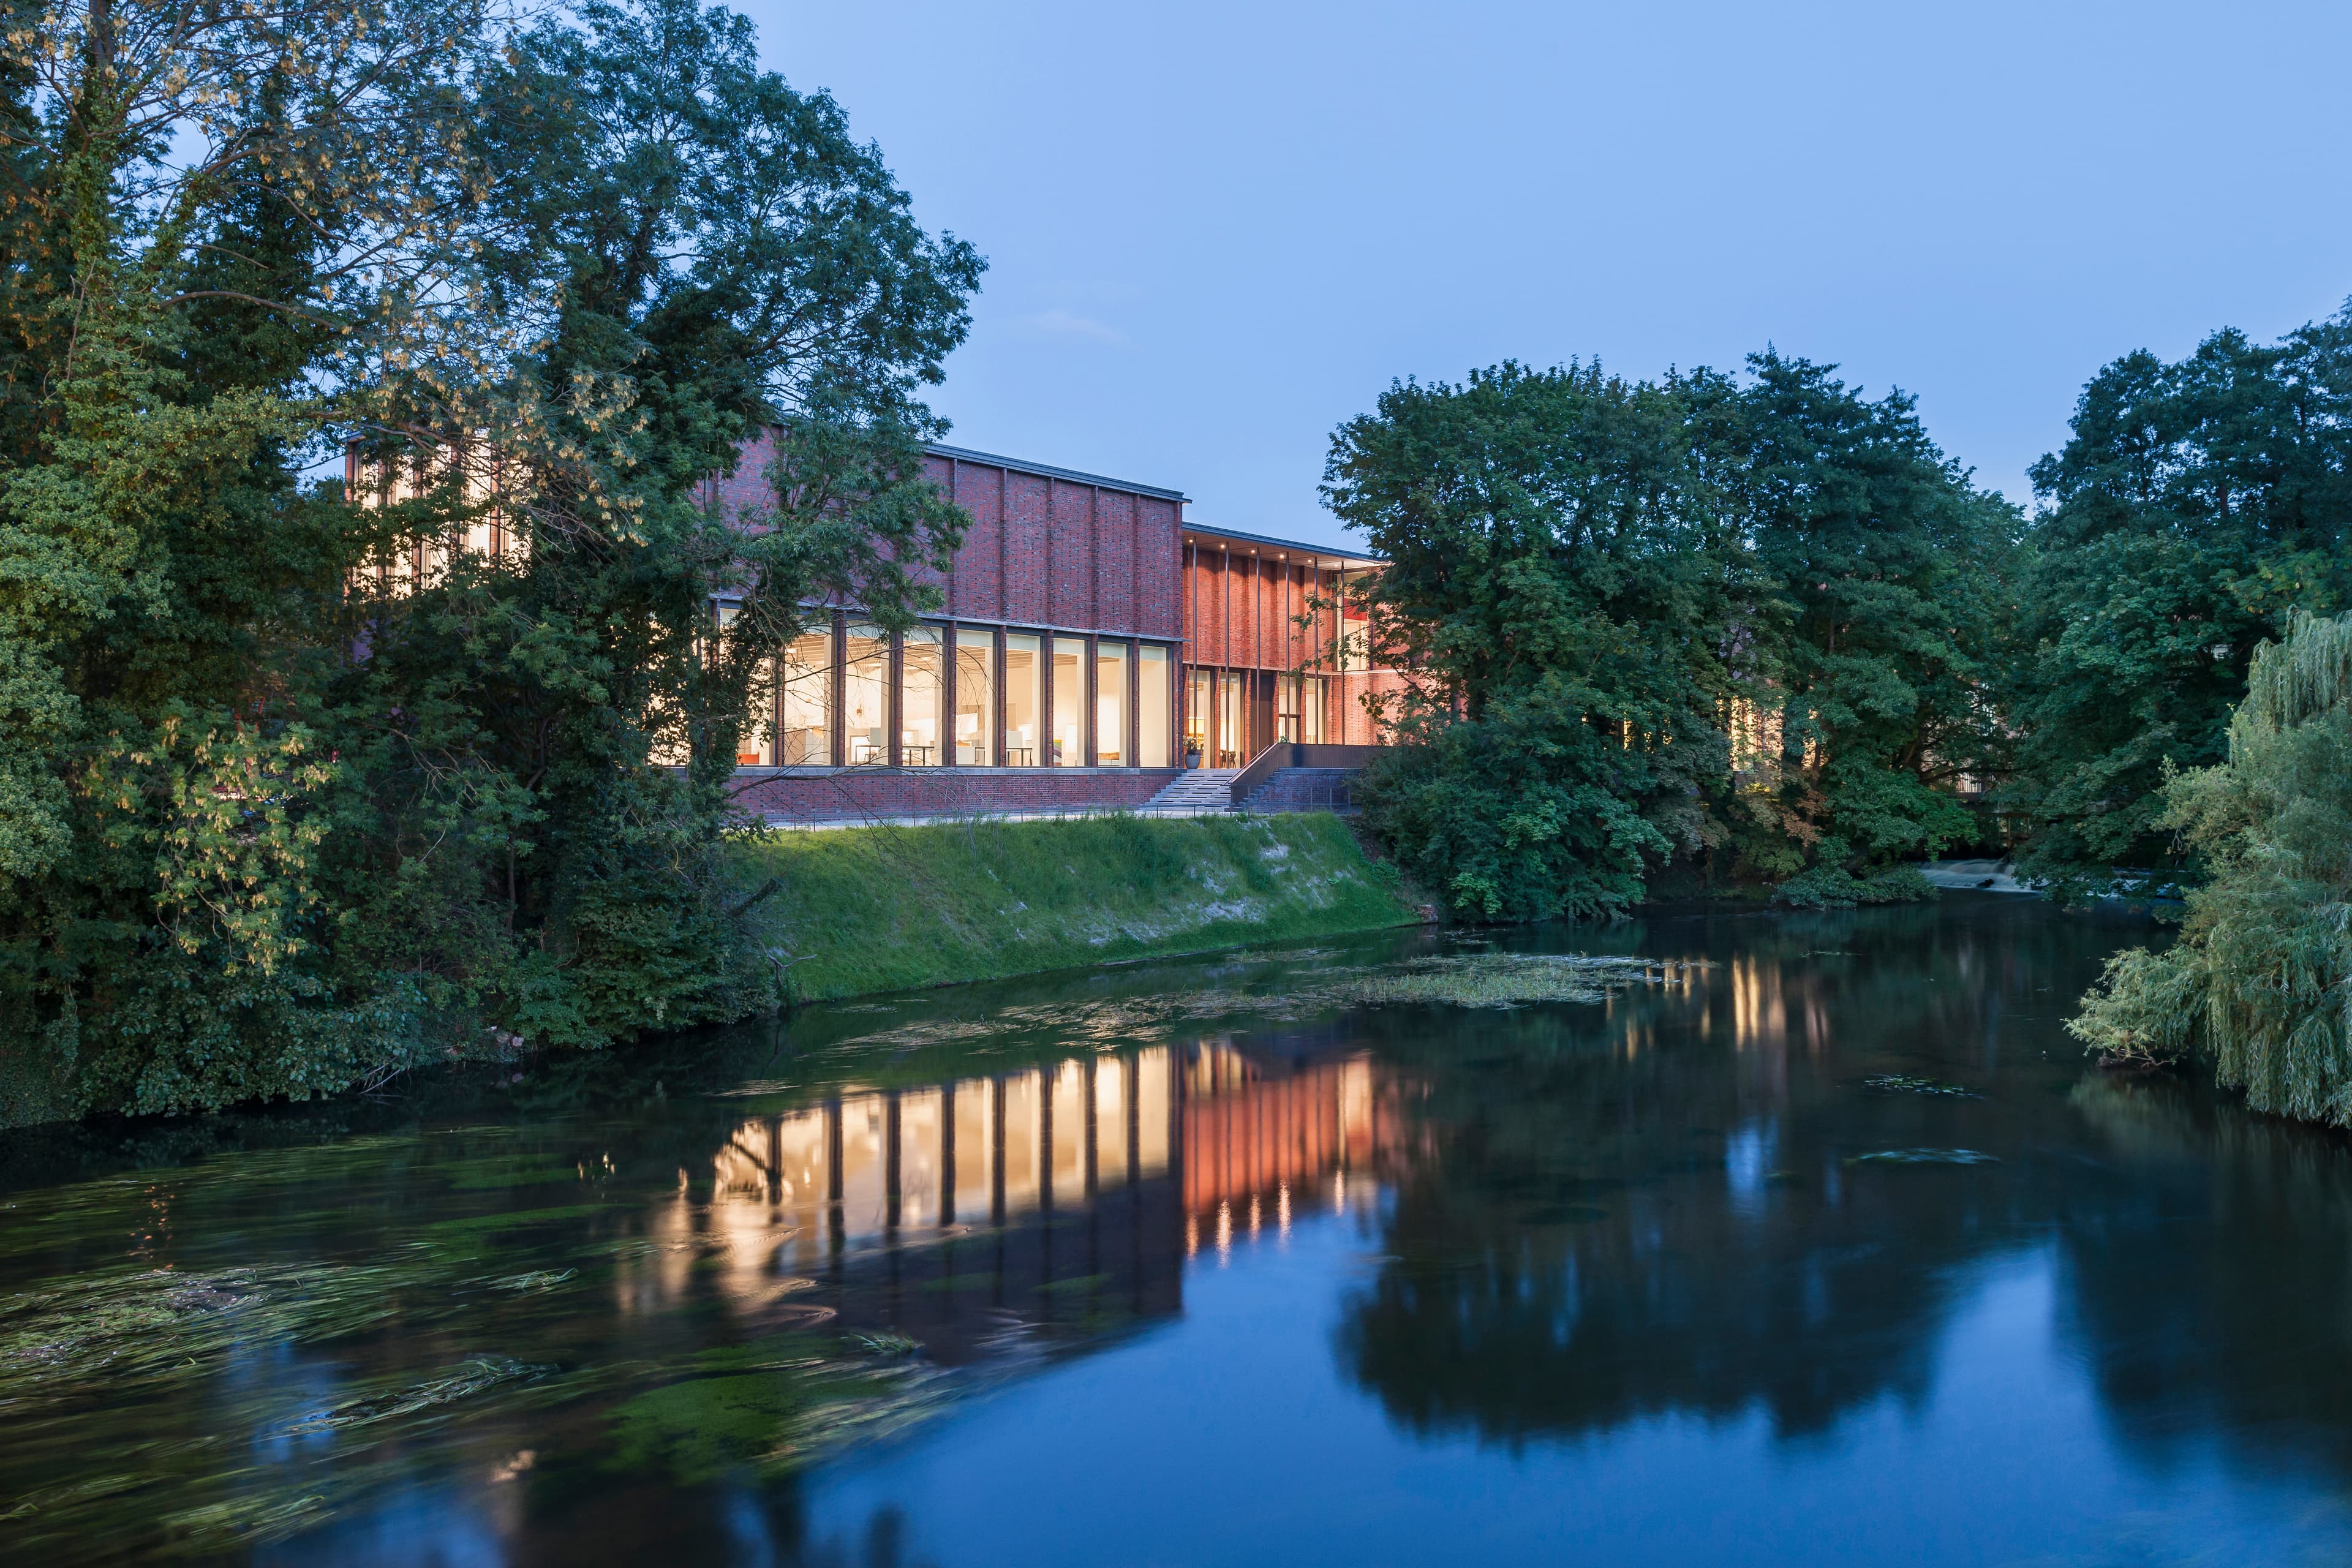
[{"x": 1215, "y": 231}]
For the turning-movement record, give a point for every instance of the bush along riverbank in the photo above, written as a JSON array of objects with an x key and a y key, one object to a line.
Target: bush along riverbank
[{"x": 887, "y": 907}]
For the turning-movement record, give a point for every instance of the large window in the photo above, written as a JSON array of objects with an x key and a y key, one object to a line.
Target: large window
[
  {"x": 1068, "y": 747},
  {"x": 1152, "y": 707},
  {"x": 922, "y": 697},
  {"x": 1355, "y": 626},
  {"x": 975, "y": 698},
  {"x": 865, "y": 696},
  {"x": 1298, "y": 714},
  {"x": 1024, "y": 718},
  {"x": 805, "y": 706},
  {"x": 1230, "y": 715},
  {"x": 1110, "y": 705},
  {"x": 759, "y": 719}
]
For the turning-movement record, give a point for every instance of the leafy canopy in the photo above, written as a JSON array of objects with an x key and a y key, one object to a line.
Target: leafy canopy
[
  {"x": 1741, "y": 625},
  {"x": 2195, "y": 506},
  {"x": 298, "y": 784}
]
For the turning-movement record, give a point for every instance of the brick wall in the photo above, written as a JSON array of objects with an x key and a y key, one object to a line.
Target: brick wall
[
  {"x": 852, "y": 794},
  {"x": 1040, "y": 550},
  {"x": 1244, "y": 608},
  {"x": 1048, "y": 551}
]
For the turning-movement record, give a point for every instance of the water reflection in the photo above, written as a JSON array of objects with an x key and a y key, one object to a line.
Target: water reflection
[
  {"x": 856, "y": 1299},
  {"x": 1048, "y": 1194}
]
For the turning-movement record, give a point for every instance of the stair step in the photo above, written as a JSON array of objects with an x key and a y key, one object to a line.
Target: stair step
[{"x": 1196, "y": 789}]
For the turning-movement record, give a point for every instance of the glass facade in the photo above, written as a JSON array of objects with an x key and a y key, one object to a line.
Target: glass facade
[
  {"x": 1199, "y": 705},
  {"x": 804, "y": 706},
  {"x": 1025, "y": 701},
  {"x": 964, "y": 696},
  {"x": 1151, "y": 716},
  {"x": 1298, "y": 714},
  {"x": 922, "y": 697},
  {"x": 1231, "y": 712},
  {"x": 865, "y": 696},
  {"x": 1110, "y": 705},
  {"x": 1067, "y": 746},
  {"x": 975, "y": 698}
]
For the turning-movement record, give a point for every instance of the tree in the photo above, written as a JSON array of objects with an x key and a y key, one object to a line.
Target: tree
[
  {"x": 1891, "y": 572},
  {"x": 1745, "y": 627},
  {"x": 2195, "y": 504},
  {"x": 297, "y": 787},
  {"x": 202, "y": 205},
  {"x": 1561, "y": 577},
  {"x": 2261, "y": 980}
]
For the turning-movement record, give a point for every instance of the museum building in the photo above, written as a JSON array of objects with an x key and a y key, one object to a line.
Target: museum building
[{"x": 1089, "y": 644}]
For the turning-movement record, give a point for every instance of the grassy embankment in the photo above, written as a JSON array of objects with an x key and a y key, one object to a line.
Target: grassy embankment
[{"x": 882, "y": 909}]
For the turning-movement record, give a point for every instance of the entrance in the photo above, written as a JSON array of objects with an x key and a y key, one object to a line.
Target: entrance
[{"x": 1232, "y": 741}]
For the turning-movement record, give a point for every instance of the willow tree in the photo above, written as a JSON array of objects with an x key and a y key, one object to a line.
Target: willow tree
[
  {"x": 2260, "y": 983},
  {"x": 2196, "y": 503}
]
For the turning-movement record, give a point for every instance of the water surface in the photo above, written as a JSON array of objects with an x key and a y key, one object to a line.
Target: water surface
[{"x": 1812, "y": 1242}]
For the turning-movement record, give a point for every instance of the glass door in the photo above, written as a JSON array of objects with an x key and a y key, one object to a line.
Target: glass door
[{"x": 1230, "y": 738}]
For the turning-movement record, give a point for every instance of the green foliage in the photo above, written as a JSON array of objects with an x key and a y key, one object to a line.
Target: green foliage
[
  {"x": 298, "y": 786},
  {"x": 879, "y": 909},
  {"x": 1830, "y": 885},
  {"x": 1561, "y": 573},
  {"x": 2260, "y": 982},
  {"x": 1746, "y": 626},
  {"x": 1892, "y": 572},
  {"x": 2196, "y": 505}
]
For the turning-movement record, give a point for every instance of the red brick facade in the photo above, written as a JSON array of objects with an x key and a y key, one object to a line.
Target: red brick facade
[
  {"x": 1044, "y": 548},
  {"x": 836, "y": 794},
  {"x": 1057, "y": 553}
]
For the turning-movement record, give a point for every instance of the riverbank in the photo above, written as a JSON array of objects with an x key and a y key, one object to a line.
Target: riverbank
[{"x": 892, "y": 908}]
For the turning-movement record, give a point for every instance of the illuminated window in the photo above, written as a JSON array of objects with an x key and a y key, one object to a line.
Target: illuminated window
[
  {"x": 923, "y": 693},
  {"x": 1067, "y": 747},
  {"x": 1151, "y": 694},
  {"x": 1230, "y": 716},
  {"x": 865, "y": 696},
  {"x": 1025, "y": 735},
  {"x": 807, "y": 699},
  {"x": 1110, "y": 705},
  {"x": 975, "y": 698}
]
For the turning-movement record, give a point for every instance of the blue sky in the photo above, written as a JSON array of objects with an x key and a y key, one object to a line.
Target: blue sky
[{"x": 1216, "y": 230}]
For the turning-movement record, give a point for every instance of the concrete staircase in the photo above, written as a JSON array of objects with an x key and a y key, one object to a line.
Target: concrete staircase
[
  {"x": 1194, "y": 790},
  {"x": 1303, "y": 789}
]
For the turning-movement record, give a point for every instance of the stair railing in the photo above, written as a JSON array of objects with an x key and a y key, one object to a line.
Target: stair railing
[{"x": 1284, "y": 754}]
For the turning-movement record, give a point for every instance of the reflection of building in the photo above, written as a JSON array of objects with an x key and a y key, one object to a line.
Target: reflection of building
[
  {"x": 1062, "y": 1193},
  {"x": 1258, "y": 1150}
]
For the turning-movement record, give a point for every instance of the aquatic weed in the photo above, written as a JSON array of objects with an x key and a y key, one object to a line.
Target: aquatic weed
[
  {"x": 1902, "y": 1083},
  {"x": 1924, "y": 1157},
  {"x": 478, "y": 1376}
]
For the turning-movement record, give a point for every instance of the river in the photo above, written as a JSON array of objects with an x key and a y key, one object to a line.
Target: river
[{"x": 1809, "y": 1239}]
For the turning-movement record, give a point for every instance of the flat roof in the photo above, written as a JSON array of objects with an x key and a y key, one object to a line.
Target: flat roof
[
  {"x": 1047, "y": 470},
  {"x": 1286, "y": 546}
]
